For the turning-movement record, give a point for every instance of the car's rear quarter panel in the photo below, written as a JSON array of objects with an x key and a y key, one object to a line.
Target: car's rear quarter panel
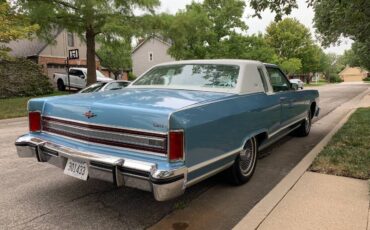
[{"x": 218, "y": 128}]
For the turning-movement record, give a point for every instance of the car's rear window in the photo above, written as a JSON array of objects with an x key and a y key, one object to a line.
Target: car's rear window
[{"x": 191, "y": 75}]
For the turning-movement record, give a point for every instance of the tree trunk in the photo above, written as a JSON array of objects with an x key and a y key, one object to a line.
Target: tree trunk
[{"x": 90, "y": 56}]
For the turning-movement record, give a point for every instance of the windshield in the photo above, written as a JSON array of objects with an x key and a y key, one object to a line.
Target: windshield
[
  {"x": 93, "y": 88},
  {"x": 191, "y": 75},
  {"x": 98, "y": 74},
  {"x": 116, "y": 85}
]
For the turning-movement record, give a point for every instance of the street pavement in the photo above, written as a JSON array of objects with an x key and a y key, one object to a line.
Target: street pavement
[{"x": 40, "y": 196}]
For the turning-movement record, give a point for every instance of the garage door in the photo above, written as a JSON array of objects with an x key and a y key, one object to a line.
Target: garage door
[{"x": 347, "y": 78}]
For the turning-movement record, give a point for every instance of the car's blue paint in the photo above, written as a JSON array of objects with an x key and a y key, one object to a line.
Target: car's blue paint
[
  {"x": 146, "y": 109},
  {"x": 213, "y": 129}
]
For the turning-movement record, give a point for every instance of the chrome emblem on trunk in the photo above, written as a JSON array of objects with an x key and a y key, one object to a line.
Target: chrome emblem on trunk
[{"x": 89, "y": 114}]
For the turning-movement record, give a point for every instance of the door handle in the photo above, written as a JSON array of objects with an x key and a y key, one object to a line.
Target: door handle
[{"x": 283, "y": 98}]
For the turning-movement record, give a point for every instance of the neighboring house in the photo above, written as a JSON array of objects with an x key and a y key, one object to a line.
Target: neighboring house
[
  {"x": 52, "y": 57},
  {"x": 353, "y": 74},
  {"x": 149, "y": 52}
]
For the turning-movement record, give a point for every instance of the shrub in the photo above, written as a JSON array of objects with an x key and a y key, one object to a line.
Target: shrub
[
  {"x": 334, "y": 78},
  {"x": 21, "y": 77},
  {"x": 367, "y": 79}
]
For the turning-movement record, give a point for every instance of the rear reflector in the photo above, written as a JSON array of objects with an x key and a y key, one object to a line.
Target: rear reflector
[
  {"x": 176, "y": 150},
  {"x": 34, "y": 121}
]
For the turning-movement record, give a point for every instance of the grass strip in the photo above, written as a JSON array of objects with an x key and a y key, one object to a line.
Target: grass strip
[{"x": 348, "y": 152}]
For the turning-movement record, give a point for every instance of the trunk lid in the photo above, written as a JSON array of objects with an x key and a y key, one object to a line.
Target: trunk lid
[{"x": 143, "y": 109}]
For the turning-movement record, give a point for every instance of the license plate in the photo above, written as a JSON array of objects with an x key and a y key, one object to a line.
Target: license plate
[{"x": 76, "y": 169}]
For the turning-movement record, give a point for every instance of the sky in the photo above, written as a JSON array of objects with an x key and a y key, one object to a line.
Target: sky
[{"x": 255, "y": 25}]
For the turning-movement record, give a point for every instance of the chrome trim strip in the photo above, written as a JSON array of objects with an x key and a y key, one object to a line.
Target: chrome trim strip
[
  {"x": 284, "y": 127},
  {"x": 213, "y": 160},
  {"x": 109, "y": 126},
  {"x": 104, "y": 145},
  {"x": 209, "y": 174},
  {"x": 120, "y": 136}
]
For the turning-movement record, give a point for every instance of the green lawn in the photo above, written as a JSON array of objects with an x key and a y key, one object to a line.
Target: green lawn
[
  {"x": 348, "y": 153},
  {"x": 17, "y": 107}
]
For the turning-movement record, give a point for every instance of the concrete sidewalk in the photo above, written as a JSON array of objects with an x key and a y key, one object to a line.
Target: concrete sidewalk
[{"x": 320, "y": 201}]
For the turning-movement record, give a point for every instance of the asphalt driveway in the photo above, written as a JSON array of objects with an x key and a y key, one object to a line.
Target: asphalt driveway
[{"x": 40, "y": 196}]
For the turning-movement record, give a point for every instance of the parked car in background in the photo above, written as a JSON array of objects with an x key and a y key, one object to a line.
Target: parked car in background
[
  {"x": 176, "y": 125},
  {"x": 77, "y": 78},
  {"x": 104, "y": 86},
  {"x": 298, "y": 82}
]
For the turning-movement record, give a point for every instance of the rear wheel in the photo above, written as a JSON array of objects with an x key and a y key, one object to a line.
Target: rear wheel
[
  {"x": 245, "y": 163},
  {"x": 60, "y": 85},
  {"x": 305, "y": 127}
]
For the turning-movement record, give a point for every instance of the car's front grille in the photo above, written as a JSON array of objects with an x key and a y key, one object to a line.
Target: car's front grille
[{"x": 153, "y": 142}]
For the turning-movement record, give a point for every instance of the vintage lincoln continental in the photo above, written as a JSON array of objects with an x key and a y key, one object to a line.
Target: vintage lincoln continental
[{"x": 174, "y": 126}]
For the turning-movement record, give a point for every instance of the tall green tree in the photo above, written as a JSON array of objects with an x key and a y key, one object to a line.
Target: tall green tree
[
  {"x": 115, "y": 55},
  {"x": 336, "y": 19},
  {"x": 200, "y": 29},
  {"x": 88, "y": 18},
  {"x": 291, "y": 39},
  {"x": 13, "y": 26}
]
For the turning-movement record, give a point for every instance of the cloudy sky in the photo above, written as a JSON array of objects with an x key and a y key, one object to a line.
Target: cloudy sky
[{"x": 303, "y": 14}]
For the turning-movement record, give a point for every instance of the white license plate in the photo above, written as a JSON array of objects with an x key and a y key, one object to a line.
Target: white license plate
[{"x": 76, "y": 169}]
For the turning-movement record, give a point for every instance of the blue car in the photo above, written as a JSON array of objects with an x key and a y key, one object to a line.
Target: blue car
[{"x": 176, "y": 125}]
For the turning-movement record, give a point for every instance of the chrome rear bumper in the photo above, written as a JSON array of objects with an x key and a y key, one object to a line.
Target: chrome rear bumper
[{"x": 165, "y": 184}]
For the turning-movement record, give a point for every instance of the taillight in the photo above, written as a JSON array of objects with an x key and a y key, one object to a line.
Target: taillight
[
  {"x": 34, "y": 119},
  {"x": 176, "y": 148}
]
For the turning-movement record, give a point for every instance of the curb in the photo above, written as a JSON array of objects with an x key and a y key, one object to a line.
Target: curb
[{"x": 265, "y": 206}]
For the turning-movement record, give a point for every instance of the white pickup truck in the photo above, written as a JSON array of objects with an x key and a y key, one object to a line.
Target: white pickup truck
[{"x": 77, "y": 78}]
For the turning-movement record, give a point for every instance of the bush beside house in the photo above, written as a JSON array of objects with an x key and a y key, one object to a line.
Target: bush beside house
[{"x": 21, "y": 77}]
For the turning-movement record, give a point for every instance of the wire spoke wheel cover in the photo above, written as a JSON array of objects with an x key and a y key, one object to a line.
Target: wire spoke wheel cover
[{"x": 248, "y": 157}]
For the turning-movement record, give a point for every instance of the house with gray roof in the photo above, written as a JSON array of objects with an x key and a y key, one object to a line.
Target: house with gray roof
[
  {"x": 149, "y": 52},
  {"x": 51, "y": 56}
]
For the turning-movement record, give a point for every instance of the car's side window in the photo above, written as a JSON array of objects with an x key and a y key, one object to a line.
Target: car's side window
[
  {"x": 72, "y": 72},
  {"x": 278, "y": 81},
  {"x": 263, "y": 79}
]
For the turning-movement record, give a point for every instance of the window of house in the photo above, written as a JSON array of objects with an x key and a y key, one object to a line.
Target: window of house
[
  {"x": 150, "y": 56},
  {"x": 70, "y": 38}
]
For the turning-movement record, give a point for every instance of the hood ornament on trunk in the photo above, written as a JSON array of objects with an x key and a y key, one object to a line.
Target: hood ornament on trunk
[{"x": 89, "y": 114}]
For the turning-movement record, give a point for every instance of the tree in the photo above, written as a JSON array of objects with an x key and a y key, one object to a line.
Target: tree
[
  {"x": 252, "y": 47},
  {"x": 115, "y": 55},
  {"x": 291, "y": 66},
  {"x": 13, "y": 26},
  {"x": 291, "y": 40},
  {"x": 336, "y": 19},
  {"x": 88, "y": 18},
  {"x": 200, "y": 30}
]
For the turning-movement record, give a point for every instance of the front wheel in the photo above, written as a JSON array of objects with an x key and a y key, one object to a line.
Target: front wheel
[
  {"x": 245, "y": 163},
  {"x": 60, "y": 85}
]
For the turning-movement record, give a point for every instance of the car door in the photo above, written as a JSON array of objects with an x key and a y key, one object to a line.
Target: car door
[
  {"x": 286, "y": 95},
  {"x": 78, "y": 78}
]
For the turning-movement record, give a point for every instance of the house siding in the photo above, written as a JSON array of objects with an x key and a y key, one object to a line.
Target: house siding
[
  {"x": 141, "y": 56},
  {"x": 352, "y": 74}
]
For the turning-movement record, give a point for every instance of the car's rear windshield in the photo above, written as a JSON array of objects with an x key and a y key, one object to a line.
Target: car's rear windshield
[{"x": 191, "y": 75}]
